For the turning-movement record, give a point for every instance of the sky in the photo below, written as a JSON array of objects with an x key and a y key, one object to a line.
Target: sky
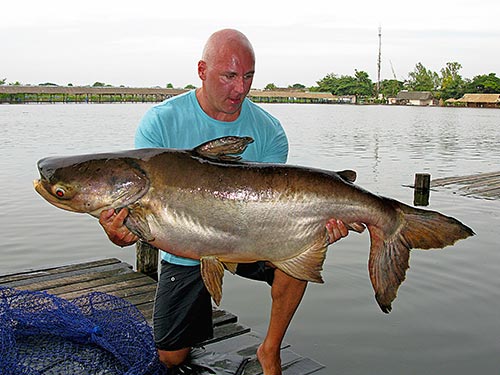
[{"x": 154, "y": 43}]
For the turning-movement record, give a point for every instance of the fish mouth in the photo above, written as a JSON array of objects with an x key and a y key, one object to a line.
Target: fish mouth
[{"x": 42, "y": 190}]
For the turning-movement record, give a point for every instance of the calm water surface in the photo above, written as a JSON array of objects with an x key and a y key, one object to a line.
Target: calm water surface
[{"x": 446, "y": 319}]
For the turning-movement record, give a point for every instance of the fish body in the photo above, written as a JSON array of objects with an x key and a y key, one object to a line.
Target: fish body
[{"x": 206, "y": 204}]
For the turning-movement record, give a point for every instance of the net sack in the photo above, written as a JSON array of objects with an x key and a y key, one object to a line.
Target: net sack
[{"x": 94, "y": 334}]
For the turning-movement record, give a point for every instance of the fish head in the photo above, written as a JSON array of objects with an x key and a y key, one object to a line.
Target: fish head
[{"x": 91, "y": 183}]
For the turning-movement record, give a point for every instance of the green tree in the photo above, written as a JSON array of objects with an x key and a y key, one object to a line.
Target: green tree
[
  {"x": 360, "y": 84},
  {"x": 297, "y": 86},
  {"x": 422, "y": 79},
  {"x": 452, "y": 84},
  {"x": 170, "y": 86},
  {"x": 487, "y": 84},
  {"x": 389, "y": 88},
  {"x": 190, "y": 87},
  {"x": 342, "y": 85},
  {"x": 363, "y": 84},
  {"x": 98, "y": 84},
  {"x": 270, "y": 87},
  {"x": 327, "y": 83},
  {"x": 2, "y": 81}
]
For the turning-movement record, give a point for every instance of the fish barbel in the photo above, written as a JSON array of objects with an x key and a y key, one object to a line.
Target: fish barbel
[{"x": 206, "y": 204}]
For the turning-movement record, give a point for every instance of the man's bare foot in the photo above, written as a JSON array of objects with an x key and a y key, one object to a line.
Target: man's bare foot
[{"x": 269, "y": 360}]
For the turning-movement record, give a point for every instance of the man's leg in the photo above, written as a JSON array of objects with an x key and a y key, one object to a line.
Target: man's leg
[
  {"x": 182, "y": 314},
  {"x": 286, "y": 293}
]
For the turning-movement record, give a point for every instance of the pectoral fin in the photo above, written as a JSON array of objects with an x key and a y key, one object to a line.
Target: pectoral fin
[
  {"x": 212, "y": 272},
  {"x": 136, "y": 222}
]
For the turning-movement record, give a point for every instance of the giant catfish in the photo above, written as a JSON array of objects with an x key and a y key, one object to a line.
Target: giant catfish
[{"x": 207, "y": 204}]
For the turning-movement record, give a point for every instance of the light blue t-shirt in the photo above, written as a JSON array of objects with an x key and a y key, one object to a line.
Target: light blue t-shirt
[{"x": 181, "y": 123}]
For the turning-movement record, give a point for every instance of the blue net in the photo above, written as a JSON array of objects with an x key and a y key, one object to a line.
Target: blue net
[{"x": 94, "y": 334}]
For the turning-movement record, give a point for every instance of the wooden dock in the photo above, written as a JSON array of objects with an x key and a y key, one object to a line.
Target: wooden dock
[
  {"x": 117, "y": 278},
  {"x": 482, "y": 185}
]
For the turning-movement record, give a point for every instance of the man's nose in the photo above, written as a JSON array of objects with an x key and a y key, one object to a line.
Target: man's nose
[{"x": 239, "y": 85}]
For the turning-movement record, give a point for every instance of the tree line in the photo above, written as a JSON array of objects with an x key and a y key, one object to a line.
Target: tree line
[{"x": 446, "y": 84}]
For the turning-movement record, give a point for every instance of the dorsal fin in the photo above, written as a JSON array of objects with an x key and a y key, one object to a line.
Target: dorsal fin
[
  {"x": 347, "y": 175},
  {"x": 224, "y": 148}
]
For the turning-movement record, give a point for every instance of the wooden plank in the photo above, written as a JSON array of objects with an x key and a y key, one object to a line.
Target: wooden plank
[
  {"x": 31, "y": 274},
  {"x": 484, "y": 193},
  {"x": 491, "y": 181},
  {"x": 226, "y": 331},
  {"x": 147, "y": 311},
  {"x": 246, "y": 346},
  {"x": 462, "y": 179},
  {"x": 220, "y": 317},
  {"x": 302, "y": 366},
  {"x": 291, "y": 364},
  {"x": 102, "y": 284},
  {"x": 126, "y": 292},
  {"x": 483, "y": 185},
  {"x": 45, "y": 282}
]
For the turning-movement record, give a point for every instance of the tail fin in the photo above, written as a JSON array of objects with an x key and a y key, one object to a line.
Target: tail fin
[{"x": 390, "y": 252}]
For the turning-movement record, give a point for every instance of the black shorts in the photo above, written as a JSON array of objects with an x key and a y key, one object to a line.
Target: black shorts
[{"x": 182, "y": 315}]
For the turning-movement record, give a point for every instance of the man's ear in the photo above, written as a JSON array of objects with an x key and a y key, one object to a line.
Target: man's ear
[{"x": 202, "y": 70}]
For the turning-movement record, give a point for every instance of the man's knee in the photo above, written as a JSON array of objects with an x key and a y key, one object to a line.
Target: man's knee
[
  {"x": 173, "y": 358},
  {"x": 284, "y": 286}
]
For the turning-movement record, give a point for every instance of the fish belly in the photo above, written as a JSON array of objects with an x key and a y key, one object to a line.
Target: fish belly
[{"x": 240, "y": 230}]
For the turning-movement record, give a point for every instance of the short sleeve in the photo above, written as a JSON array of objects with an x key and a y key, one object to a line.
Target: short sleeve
[{"x": 148, "y": 134}]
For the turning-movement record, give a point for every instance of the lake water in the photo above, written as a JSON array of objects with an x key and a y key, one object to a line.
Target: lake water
[{"x": 446, "y": 319}]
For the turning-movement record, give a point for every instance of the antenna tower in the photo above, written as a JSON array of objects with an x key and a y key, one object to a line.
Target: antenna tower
[{"x": 379, "y": 58}]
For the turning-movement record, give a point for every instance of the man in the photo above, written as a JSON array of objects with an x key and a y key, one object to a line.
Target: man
[{"x": 182, "y": 314}]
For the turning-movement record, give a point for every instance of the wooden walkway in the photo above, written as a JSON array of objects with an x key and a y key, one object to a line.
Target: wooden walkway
[
  {"x": 483, "y": 185},
  {"x": 117, "y": 278}
]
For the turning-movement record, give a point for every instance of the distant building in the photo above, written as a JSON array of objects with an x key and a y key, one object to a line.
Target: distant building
[
  {"x": 480, "y": 100},
  {"x": 420, "y": 98},
  {"x": 296, "y": 96}
]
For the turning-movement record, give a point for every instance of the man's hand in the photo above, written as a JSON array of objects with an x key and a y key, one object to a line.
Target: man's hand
[
  {"x": 118, "y": 233},
  {"x": 336, "y": 229}
]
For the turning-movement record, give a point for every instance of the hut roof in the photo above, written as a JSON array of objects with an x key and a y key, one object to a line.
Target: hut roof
[
  {"x": 480, "y": 98},
  {"x": 414, "y": 95}
]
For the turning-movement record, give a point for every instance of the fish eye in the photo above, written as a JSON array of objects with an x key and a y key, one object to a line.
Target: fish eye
[{"x": 60, "y": 192}]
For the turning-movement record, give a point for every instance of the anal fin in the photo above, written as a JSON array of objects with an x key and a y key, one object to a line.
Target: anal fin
[
  {"x": 231, "y": 267},
  {"x": 307, "y": 265},
  {"x": 212, "y": 272}
]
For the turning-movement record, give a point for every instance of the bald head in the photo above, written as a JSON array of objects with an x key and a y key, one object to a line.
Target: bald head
[
  {"x": 226, "y": 70},
  {"x": 224, "y": 40}
]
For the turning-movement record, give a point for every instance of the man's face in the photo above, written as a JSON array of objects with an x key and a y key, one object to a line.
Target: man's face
[{"x": 226, "y": 82}]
